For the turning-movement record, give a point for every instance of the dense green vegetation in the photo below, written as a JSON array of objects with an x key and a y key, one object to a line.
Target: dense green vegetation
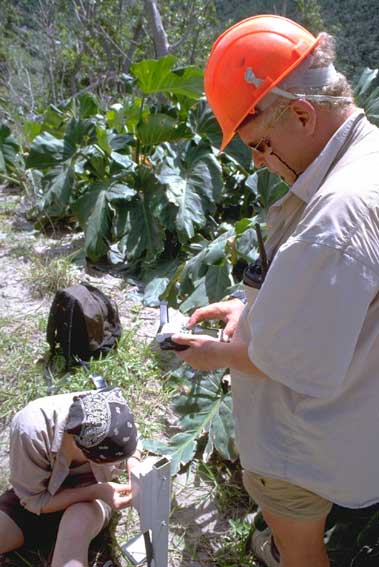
[
  {"x": 355, "y": 24},
  {"x": 103, "y": 125}
]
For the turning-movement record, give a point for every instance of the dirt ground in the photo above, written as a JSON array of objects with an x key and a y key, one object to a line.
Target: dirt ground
[{"x": 196, "y": 524}]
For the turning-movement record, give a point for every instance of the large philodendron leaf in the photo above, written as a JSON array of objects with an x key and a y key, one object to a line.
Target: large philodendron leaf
[
  {"x": 203, "y": 122},
  {"x": 48, "y": 151},
  {"x": 95, "y": 217},
  {"x": 211, "y": 253},
  {"x": 57, "y": 187},
  {"x": 194, "y": 186},
  {"x": 157, "y": 128},
  {"x": 98, "y": 230},
  {"x": 210, "y": 288},
  {"x": 9, "y": 150},
  {"x": 145, "y": 235},
  {"x": 158, "y": 76},
  {"x": 204, "y": 408}
]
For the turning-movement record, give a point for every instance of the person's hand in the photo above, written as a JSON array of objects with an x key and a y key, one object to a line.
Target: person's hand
[
  {"x": 227, "y": 311},
  {"x": 117, "y": 495},
  {"x": 203, "y": 352},
  {"x": 134, "y": 461}
]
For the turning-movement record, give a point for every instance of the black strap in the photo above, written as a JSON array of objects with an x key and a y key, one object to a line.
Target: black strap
[{"x": 149, "y": 548}]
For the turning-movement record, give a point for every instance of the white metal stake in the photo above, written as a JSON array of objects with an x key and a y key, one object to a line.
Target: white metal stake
[{"x": 151, "y": 489}]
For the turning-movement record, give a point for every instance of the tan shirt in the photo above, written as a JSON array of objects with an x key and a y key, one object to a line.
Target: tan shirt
[
  {"x": 314, "y": 330},
  {"x": 38, "y": 467}
]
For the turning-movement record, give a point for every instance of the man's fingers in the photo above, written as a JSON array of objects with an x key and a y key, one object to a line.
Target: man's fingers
[
  {"x": 181, "y": 339},
  {"x": 208, "y": 312},
  {"x": 229, "y": 329}
]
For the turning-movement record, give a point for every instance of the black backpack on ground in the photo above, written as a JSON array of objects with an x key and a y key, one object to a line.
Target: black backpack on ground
[{"x": 83, "y": 323}]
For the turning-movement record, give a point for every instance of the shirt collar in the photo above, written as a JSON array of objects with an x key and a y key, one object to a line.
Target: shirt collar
[{"x": 311, "y": 179}]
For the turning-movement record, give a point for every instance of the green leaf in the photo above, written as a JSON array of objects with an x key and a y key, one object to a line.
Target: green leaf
[
  {"x": 157, "y": 280},
  {"x": 46, "y": 151},
  {"x": 120, "y": 141},
  {"x": 367, "y": 93},
  {"x": 57, "y": 185},
  {"x": 194, "y": 186},
  {"x": 157, "y": 128},
  {"x": 86, "y": 203},
  {"x": 365, "y": 81},
  {"x": 204, "y": 408},
  {"x": 240, "y": 153},
  {"x": 78, "y": 133},
  {"x": 247, "y": 245},
  {"x": 125, "y": 162},
  {"x": 217, "y": 281},
  {"x": 95, "y": 217},
  {"x": 54, "y": 121},
  {"x": 203, "y": 122},
  {"x": 9, "y": 149},
  {"x": 88, "y": 105},
  {"x": 270, "y": 188},
  {"x": 103, "y": 141},
  {"x": 145, "y": 235},
  {"x": 32, "y": 129},
  {"x": 120, "y": 193},
  {"x": 98, "y": 228},
  {"x": 198, "y": 297},
  {"x": 158, "y": 76}
]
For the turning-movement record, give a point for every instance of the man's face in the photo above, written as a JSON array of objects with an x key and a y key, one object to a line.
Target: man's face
[{"x": 269, "y": 137}]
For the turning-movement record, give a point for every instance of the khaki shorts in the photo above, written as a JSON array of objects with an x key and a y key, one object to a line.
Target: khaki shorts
[{"x": 284, "y": 499}]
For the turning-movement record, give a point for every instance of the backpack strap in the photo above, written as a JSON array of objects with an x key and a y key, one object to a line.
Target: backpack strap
[{"x": 51, "y": 326}]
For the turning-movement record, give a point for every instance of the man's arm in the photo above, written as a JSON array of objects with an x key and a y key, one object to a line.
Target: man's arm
[
  {"x": 207, "y": 353},
  {"x": 118, "y": 496}
]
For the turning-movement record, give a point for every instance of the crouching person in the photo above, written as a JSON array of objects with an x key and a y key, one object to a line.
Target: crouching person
[{"x": 64, "y": 451}]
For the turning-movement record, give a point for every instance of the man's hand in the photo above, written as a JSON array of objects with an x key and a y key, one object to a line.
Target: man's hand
[
  {"x": 227, "y": 311},
  {"x": 202, "y": 353},
  {"x": 117, "y": 495}
]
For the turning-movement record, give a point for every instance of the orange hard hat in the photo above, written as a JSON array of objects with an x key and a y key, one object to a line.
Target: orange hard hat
[{"x": 247, "y": 61}]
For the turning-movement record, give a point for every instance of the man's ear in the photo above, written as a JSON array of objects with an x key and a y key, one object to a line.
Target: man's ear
[{"x": 306, "y": 115}]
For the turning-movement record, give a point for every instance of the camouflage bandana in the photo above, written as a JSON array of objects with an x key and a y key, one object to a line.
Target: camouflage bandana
[{"x": 102, "y": 425}]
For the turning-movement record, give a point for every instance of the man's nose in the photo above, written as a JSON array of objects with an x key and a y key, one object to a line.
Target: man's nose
[{"x": 258, "y": 159}]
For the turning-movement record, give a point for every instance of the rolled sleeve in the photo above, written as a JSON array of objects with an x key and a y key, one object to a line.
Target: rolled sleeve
[
  {"x": 30, "y": 469},
  {"x": 308, "y": 316}
]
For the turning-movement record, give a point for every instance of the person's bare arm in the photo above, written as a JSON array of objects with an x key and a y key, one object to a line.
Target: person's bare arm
[
  {"x": 207, "y": 353},
  {"x": 116, "y": 495}
]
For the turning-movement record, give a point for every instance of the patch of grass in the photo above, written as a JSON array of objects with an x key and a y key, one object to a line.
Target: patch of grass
[
  {"x": 132, "y": 367},
  {"x": 22, "y": 347},
  {"x": 232, "y": 552},
  {"x": 46, "y": 276},
  {"x": 225, "y": 485},
  {"x": 8, "y": 208}
]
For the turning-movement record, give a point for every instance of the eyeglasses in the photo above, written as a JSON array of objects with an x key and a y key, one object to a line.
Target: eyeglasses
[{"x": 261, "y": 146}]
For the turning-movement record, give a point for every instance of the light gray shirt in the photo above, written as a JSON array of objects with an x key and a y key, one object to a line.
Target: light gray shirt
[
  {"x": 37, "y": 466},
  {"x": 314, "y": 330}
]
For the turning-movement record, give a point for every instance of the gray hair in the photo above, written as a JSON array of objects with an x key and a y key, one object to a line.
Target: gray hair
[
  {"x": 315, "y": 79},
  {"x": 323, "y": 56}
]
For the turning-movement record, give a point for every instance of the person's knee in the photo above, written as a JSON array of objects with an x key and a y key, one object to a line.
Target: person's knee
[
  {"x": 82, "y": 518},
  {"x": 11, "y": 536}
]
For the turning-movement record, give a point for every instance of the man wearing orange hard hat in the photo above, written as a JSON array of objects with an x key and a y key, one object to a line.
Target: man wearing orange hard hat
[{"x": 304, "y": 350}]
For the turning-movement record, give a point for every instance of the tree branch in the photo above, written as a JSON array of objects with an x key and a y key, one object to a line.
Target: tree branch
[{"x": 153, "y": 15}]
